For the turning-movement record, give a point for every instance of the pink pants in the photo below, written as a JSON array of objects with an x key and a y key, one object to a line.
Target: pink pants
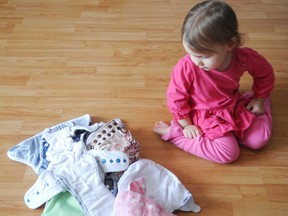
[{"x": 224, "y": 149}]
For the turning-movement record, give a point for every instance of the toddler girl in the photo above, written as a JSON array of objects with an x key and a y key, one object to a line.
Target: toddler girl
[{"x": 211, "y": 116}]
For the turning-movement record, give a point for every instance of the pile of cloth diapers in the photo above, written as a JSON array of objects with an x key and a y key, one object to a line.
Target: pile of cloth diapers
[{"x": 94, "y": 169}]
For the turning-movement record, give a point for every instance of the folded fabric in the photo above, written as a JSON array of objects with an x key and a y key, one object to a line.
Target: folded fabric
[
  {"x": 82, "y": 176},
  {"x": 161, "y": 185},
  {"x": 110, "y": 161},
  {"x": 134, "y": 202},
  {"x": 45, "y": 188},
  {"x": 82, "y": 179},
  {"x": 47, "y": 185},
  {"x": 114, "y": 136},
  {"x": 79, "y": 129},
  {"x": 32, "y": 151},
  {"x": 63, "y": 204},
  {"x": 167, "y": 190}
]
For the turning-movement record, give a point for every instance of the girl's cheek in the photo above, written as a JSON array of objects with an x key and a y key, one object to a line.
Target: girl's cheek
[
  {"x": 194, "y": 60},
  {"x": 209, "y": 62}
]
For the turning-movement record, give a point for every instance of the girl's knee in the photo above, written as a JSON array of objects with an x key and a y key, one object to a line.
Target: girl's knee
[
  {"x": 258, "y": 134},
  {"x": 228, "y": 157},
  {"x": 227, "y": 149},
  {"x": 257, "y": 144},
  {"x": 257, "y": 140}
]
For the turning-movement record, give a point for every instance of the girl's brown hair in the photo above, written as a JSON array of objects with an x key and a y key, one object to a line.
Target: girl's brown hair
[{"x": 210, "y": 22}]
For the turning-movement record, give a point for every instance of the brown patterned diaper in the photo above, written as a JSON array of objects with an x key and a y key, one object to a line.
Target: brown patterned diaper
[{"x": 113, "y": 136}]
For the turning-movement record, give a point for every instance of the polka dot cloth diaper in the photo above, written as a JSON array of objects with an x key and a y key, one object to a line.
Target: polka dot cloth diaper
[{"x": 113, "y": 136}]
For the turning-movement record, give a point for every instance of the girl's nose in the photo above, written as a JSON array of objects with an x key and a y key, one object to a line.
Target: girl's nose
[{"x": 200, "y": 63}]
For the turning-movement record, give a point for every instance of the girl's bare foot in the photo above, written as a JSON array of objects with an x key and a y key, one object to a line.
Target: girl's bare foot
[{"x": 161, "y": 128}]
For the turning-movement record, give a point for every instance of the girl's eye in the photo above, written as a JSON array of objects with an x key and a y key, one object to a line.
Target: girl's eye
[{"x": 200, "y": 57}]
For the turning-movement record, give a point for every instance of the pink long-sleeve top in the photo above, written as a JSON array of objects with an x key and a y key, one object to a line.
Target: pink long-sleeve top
[{"x": 212, "y": 98}]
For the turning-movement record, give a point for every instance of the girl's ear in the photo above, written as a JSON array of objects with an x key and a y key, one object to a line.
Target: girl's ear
[{"x": 232, "y": 43}]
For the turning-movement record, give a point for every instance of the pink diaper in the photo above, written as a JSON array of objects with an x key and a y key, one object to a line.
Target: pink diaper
[{"x": 134, "y": 202}]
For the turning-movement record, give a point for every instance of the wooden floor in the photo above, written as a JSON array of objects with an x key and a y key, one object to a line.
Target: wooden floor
[{"x": 60, "y": 59}]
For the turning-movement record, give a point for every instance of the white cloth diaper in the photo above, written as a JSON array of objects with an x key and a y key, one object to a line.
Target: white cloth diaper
[
  {"x": 110, "y": 161},
  {"x": 161, "y": 185},
  {"x": 82, "y": 179},
  {"x": 45, "y": 188}
]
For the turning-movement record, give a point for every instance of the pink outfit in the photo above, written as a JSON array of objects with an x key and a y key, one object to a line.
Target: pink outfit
[
  {"x": 214, "y": 103},
  {"x": 135, "y": 203}
]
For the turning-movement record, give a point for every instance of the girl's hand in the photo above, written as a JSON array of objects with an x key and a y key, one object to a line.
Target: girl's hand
[
  {"x": 191, "y": 131},
  {"x": 256, "y": 106}
]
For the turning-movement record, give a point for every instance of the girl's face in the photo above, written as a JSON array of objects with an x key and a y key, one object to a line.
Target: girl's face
[{"x": 219, "y": 59}]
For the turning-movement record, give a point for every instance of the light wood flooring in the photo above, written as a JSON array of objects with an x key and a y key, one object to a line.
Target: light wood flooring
[{"x": 60, "y": 59}]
